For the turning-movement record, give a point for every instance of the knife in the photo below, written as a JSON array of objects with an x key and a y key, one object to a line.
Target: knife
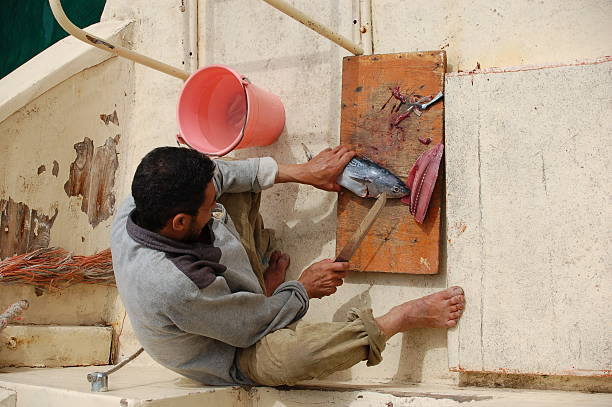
[{"x": 349, "y": 249}]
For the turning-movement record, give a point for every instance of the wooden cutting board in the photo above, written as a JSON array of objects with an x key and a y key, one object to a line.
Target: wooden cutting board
[{"x": 395, "y": 243}]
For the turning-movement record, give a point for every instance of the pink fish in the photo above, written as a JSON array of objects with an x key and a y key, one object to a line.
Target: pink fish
[{"x": 422, "y": 180}]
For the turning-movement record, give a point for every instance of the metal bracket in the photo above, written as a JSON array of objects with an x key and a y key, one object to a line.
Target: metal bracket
[{"x": 99, "y": 380}]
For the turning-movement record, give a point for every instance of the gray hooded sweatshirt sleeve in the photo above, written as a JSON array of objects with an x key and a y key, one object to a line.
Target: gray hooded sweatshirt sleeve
[{"x": 193, "y": 304}]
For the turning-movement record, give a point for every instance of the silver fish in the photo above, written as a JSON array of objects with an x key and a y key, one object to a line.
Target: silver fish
[{"x": 367, "y": 179}]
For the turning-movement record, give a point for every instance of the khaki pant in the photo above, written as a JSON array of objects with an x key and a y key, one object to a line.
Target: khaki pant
[{"x": 302, "y": 350}]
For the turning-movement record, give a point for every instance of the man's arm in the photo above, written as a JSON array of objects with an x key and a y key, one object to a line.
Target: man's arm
[
  {"x": 320, "y": 172},
  {"x": 253, "y": 174},
  {"x": 256, "y": 174},
  {"x": 239, "y": 319}
]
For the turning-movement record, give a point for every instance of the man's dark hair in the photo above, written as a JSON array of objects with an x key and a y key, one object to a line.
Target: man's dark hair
[{"x": 168, "y": 181}]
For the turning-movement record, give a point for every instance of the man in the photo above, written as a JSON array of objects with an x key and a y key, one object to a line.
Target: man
[{"x": 189, "y": 272}]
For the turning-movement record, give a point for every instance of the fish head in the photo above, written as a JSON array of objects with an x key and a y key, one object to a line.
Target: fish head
[
  {"x": 393, "y": 186},
  {"x": 368, "y": 179}
]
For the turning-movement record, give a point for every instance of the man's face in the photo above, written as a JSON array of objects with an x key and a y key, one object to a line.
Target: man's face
[{"x": 204, "y": 214}]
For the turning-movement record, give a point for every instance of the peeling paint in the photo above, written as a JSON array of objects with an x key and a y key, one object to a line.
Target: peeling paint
[
  {"x": 55, "y": 169},
  {"x": 41, "y": 169},
  {"x": 92, "y": 176},
  {"x": 425, "y": 262},
  {"x": 110, "y": 118},
  {"x": 22, "y": 229}
]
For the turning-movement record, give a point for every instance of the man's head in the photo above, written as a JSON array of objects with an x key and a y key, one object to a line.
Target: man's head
[{"x": 173, "y": 192}]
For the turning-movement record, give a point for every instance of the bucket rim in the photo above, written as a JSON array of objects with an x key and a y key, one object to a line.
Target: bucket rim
[{"x": 240, "y": 78}]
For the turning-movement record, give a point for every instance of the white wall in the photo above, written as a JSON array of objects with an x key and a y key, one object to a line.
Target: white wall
[
  {"x": 304, "y": 69},
  {"x": 495, "y": 32},
  {"x": 288, "y": 59},
  {"x": 44, "y": 131},
  {"x": 47, "y": 128}
]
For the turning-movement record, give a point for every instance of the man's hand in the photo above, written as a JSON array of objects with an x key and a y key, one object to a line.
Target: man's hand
[
  {"x": 320, "y": 172},
  {"x": 322, "y": 278}
]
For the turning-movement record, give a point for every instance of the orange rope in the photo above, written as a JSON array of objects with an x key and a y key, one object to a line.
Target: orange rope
[{"x": 54, "y": 268}]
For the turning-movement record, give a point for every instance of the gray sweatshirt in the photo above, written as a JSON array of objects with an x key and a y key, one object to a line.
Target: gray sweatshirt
[{"x": 193, "y": 304}]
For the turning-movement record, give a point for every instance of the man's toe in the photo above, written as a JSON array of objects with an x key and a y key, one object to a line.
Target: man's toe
[
  {"x": 456, "y": 290},
  {"x": 274, "y": 256},
  {"x": 458, "y": 299},
  {"x": 284, "y": 260}
]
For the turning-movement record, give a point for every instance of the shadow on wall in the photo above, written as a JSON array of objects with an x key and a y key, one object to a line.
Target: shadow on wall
[
  {"x": 304, "y": 219},
  {"x": 418, "y": 348},
  {"x": 301, "y": 232}
]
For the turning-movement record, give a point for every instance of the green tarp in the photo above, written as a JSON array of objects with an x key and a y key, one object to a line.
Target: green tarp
[{"x": 27, "y": 27}]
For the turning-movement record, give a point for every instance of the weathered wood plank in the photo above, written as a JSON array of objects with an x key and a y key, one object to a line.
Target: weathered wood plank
[{"x": 396, "y": 243}]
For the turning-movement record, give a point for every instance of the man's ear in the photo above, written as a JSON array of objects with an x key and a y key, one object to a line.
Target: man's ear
[{"x": 180, "y": 222}]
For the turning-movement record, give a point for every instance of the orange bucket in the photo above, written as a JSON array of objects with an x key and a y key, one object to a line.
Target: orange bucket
[{"x": 219, "y": 111}]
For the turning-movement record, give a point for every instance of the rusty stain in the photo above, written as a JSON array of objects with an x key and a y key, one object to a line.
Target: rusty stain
[
  {"x": 55, "y": 169},
  {"x": 534, "y": 381},
  {"x": 461, "y": 227},
  {"x": 522, "y": 68},
  {"x": 99, "y": 41},
  {"x": 22, "y": 229},
  {"x": 110, "y": 118},
  {"x": 41, "y": 169},
  {"x": 92, "y": 176},
  {"x": 11, "y": 343}
]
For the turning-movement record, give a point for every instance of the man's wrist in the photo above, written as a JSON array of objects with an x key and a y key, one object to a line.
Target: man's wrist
[
  {"x": 291, "y": 173},
  {"x": 305, "y": 288}
]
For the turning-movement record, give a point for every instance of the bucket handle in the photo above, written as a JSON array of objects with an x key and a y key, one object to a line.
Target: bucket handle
[{"x": 180, "y": 140}]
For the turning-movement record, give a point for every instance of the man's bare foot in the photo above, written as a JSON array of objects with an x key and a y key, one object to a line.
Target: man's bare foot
[
  {"x": 439, "y": 310},
  {"x": 274, "y": 275}
]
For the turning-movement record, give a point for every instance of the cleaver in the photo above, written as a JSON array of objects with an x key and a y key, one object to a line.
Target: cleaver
[{"x": 349, "y": 249}]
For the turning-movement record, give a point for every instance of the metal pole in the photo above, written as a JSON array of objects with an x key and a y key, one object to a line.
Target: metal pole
[
  {"x": 315, "y": 26},
  {"x": 64, "y": 21},
  {"x": 365, "y": 29}
]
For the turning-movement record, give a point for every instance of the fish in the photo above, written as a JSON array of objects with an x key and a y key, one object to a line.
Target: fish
[
  {"x": 422, "y": 180},
  {"x": 367, "y": 179}
]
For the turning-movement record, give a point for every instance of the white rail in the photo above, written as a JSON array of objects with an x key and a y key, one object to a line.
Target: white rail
[
  {"x": 64, "y": 21},
  {"x": 316, "y": 26}
]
